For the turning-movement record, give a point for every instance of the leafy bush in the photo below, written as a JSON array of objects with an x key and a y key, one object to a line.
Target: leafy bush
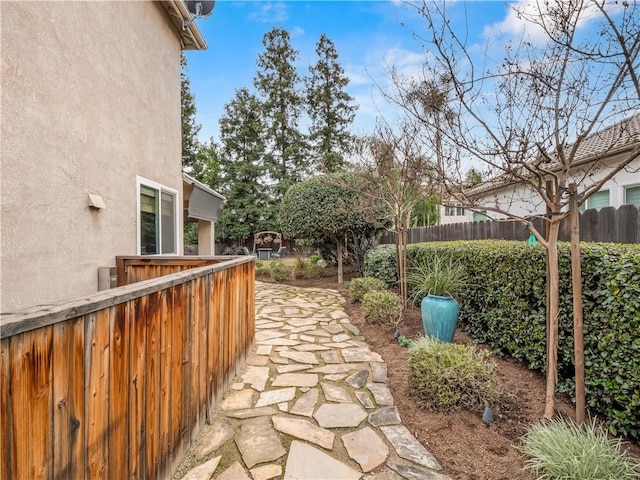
[
  {"x": 381, "y": 306},
  {"x": 504, "y": 306},
  {"x": 314, "y": 258},
  {"x": 380, "y": 262},
  {"x": 359, "y": 286},
  {"x": 562, "y": 449},
  {"x": 449, "y": 376},
  {"x": 280, "y": 271},
  {"x": 262, "y": 268}
]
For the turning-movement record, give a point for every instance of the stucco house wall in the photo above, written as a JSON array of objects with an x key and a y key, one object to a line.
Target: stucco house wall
[
  {"x": 90, "y": 102},
  {"x": 521, "y": 200}
]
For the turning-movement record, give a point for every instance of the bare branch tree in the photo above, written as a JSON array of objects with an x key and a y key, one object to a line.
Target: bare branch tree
[
  {"x": 397, "y": 171},
  {"x": 560, "y": 107}
]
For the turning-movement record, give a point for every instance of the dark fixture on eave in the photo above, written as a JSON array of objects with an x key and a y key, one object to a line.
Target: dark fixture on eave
[{"x": 198, "y": 10}]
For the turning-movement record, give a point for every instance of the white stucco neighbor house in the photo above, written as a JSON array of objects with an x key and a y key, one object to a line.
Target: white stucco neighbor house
[
  {"x": 598, "y": 154},
  {"x": 91, "y": 142}
]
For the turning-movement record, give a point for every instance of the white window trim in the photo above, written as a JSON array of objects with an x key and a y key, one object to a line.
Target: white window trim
[
  {"x": 624, "y": 192},
  {"x": 161, "y": 188}
]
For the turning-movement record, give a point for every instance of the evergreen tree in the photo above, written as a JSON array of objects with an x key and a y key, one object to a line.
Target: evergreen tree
[
  {"x": 330, "y": 109},
  {"x": 190, "y": 128},
  {"x": 206, "y": 167},
  {"x": 243, "y": 170},
  {"x": 277, "y": 82}
]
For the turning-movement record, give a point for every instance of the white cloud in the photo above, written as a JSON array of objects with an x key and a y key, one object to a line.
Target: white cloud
[
  {"x": 296, "y": 32},
  {"x": 515, "y": 24},
  {"x": 269, "y": 12}
]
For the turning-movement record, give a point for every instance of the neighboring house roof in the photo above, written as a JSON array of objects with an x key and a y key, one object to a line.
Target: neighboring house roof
[
  {"x": 190, "y": 36},
  {"x": 201, "y": 202},
  {"x": 616, "y": 139}
]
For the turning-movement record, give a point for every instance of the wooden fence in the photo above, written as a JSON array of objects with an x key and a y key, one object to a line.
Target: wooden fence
[
  {"x": 118, "y": 384},
  {"x": 609, "y": 224}
]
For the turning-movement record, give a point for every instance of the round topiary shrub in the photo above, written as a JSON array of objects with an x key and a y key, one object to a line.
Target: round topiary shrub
[
  {"x": 381, "y": 307},
  {"x": 359, "y": 286},
  {"x": 448, "y": 376}
]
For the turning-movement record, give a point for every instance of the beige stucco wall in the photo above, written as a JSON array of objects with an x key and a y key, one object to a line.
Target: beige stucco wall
[{"x": 90, "y": 100}]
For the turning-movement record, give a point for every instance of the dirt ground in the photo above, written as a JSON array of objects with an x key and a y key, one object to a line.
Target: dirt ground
[{"x": 467, "y": 449}]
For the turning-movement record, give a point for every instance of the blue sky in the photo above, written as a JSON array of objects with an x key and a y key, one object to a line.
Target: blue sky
[{"x": 370, "y": 36}]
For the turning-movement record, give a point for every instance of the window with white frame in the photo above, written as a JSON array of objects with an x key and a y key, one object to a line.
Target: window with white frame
[
  {"x": 598, "y": 200},
  {"x": 157, "y": 218},
  {"x": 453, "y": 210},
  {"x": 632, "y": 195}
]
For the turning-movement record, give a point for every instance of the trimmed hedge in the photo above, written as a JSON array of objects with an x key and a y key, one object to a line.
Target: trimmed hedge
[{"x": 504, "y": 306}]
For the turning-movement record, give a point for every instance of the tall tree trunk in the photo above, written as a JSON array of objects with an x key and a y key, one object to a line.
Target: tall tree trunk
[
  {"x": 576, "y": 282},
  {"x": 339, "y": 248},
  {"x": 553, "y": 300}
]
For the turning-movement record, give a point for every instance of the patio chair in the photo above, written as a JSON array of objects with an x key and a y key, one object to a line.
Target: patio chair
[
  {"x": 247, "y": 252},
  {"x": 282, "y": 251}
]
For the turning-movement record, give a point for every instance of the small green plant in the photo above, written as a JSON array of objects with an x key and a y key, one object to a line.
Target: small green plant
[
  {"x": 280, "y": 271},
  {"x": 314, "y": 258},
  {"x": 562, "y": 449},
  {"x": 436, "y": 276},
  {"x": 358, "y": 287},
  {"x": 448, "y": 376},
  {"x": 381, "y": 307},
  {"x": 262, "y": 268}
]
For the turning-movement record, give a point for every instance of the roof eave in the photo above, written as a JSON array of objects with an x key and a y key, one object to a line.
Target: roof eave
[{"x": 190, "y": 36}]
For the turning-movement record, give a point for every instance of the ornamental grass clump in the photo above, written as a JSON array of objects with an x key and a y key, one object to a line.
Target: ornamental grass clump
[
  {"x": 560, "y": 449},
  {"x": 381, "y": 307},
  {"x": 448, "y": 376},
  {"x": 358, "y": 287}
]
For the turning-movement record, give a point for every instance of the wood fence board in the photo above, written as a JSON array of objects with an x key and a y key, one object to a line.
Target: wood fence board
[
  {"x": 137, "y": 382},
  {"x": 31, "y": 394},
  {"x": 62, "y": 425},
  {"x": 178, "y": 427},
  {"x": 194, "y": 355},
  {"x": 211, "y": 347},
  {"x": 77, "y": 399},
  {"x": 6, "y": 448},
  {"x": 166, "y": 339},
  {"x": 186, "y": 364},
  {"x": 152, "y": 391},
  {"x": 118, "y": 391},
  {"x": 217, "y": 343},
  {"x": 97, "y": 393},
  {"x": 202, "y": 304}
]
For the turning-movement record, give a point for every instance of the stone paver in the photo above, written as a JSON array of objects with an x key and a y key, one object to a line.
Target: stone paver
[
  {"x": 258, "y": 442},
  {"x": 310, "y": 373},
  {"x": 308, "y": 463}
]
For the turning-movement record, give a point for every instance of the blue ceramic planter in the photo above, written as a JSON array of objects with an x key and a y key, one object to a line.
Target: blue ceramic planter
[{"x": 439, "y": 317}]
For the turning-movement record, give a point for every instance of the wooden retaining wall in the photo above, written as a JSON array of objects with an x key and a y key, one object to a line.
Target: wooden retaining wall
[{"x": 118, "y": 384}]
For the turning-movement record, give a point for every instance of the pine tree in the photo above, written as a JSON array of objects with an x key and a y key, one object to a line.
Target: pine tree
[
  {"x": 330, "y": 109},
  {"x": 190, "y": 128},
  {"x": 277, "y": 82},
  {"x": 243, "y": 169}
]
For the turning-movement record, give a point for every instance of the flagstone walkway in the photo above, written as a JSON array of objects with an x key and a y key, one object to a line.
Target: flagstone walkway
[{"x": 312, "y": 403}]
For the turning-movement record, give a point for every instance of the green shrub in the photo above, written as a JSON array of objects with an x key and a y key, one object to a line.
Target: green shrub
[
  {"x": 380, "y": 262},
  {"x": 262, "y": 268},
  {"x": 280, "y": 271},
  {"x": 314, "y": 258},
  {"x": 359, "y": 286},
  {"x": 562, "y": 449},
  {"x": 504, "y": 306},
  {"x": 381, "y": 307},
  {"x": 449, "y": 376}
]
